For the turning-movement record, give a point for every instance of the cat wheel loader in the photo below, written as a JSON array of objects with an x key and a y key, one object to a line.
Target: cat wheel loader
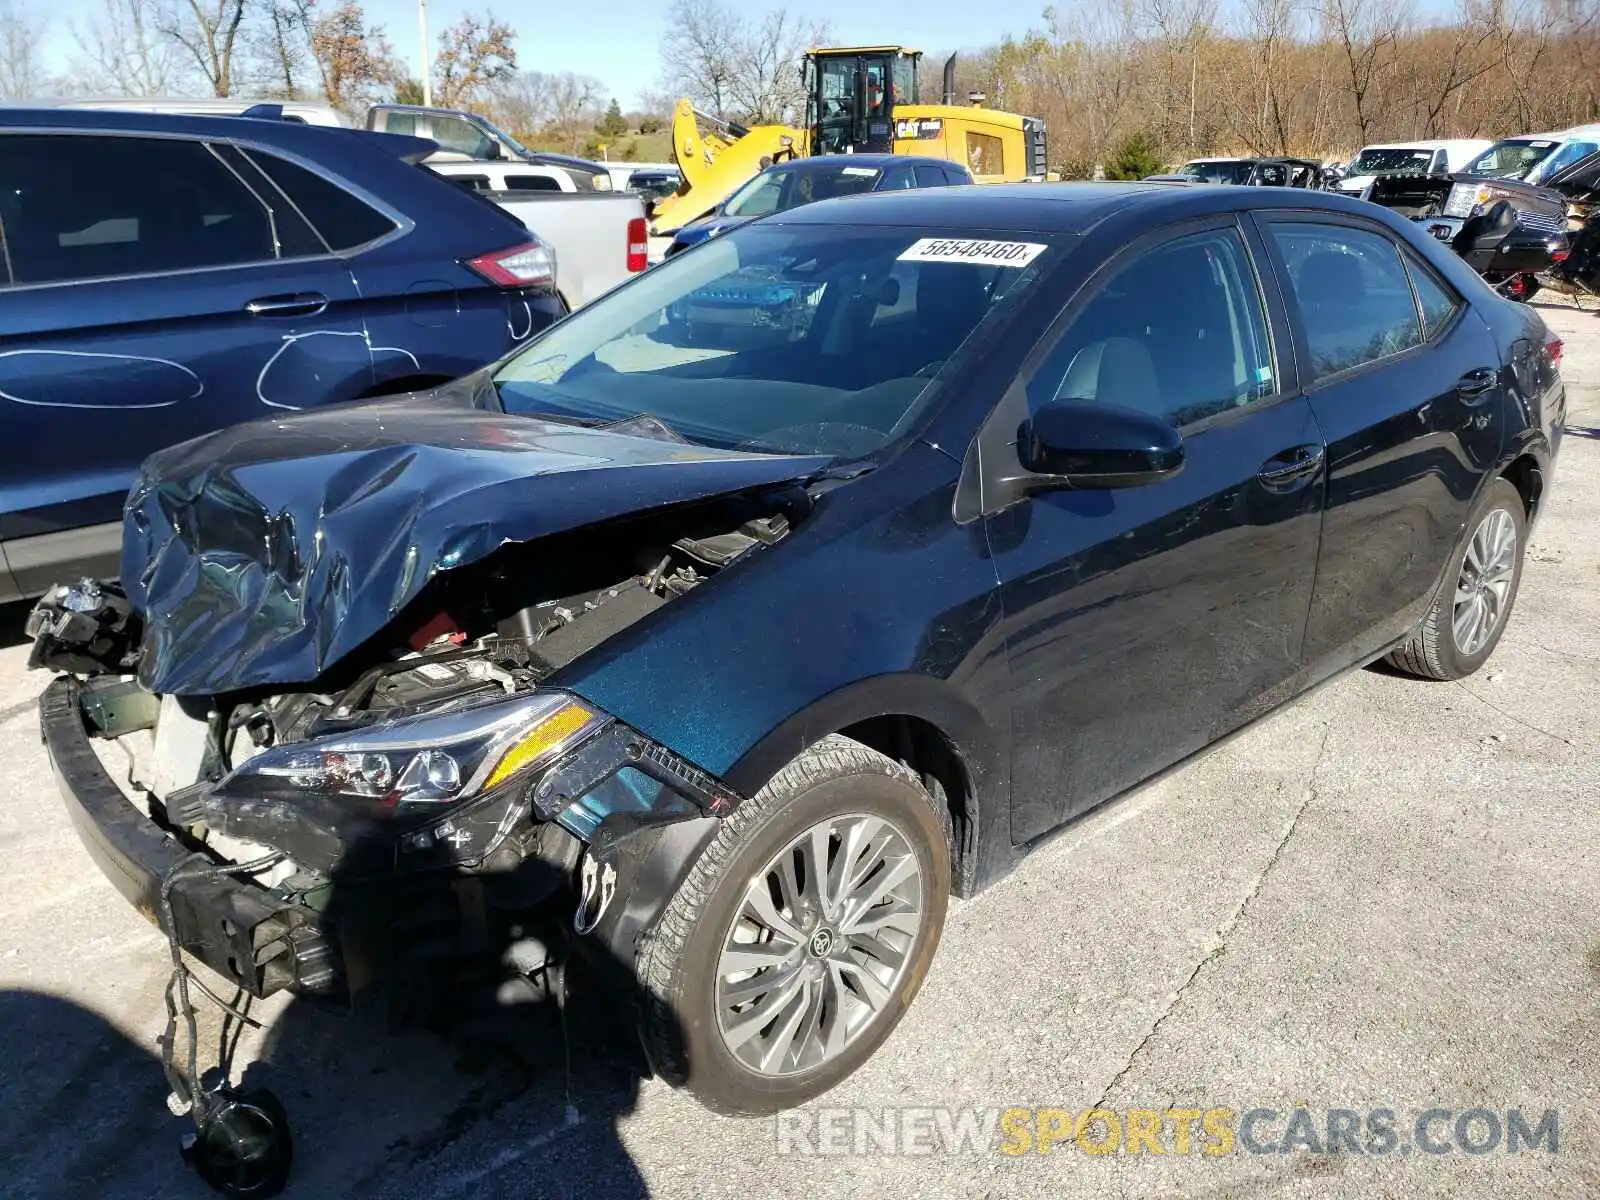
[{"x": 859, "y": 100}]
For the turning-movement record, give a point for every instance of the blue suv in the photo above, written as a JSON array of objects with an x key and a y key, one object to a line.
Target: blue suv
[{"x": 164, "y": 276}]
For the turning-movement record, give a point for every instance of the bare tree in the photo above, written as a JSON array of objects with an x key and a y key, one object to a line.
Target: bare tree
[
  {"x": 700, "y": 53},
  {"x": 1438, "y": 67},
  {"x": 280, "y": 42},
  {"x": 474, "y": 52},
  {"x": 21, "y": 71},
  {"x": 121, "y": 49},
  {"x": 574, "y": 107},
  {"x": 765, "y": 87},
  {"x": 209, "y": 31},
  {"x": 1367, "y": 33},
  {"x": 519, "y": 102}
]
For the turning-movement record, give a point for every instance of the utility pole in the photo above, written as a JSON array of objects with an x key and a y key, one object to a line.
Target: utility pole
[{"x": 427, "y": 73}]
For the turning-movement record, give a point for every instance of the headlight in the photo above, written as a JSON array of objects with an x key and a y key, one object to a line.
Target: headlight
[
  {"x": 419, "y": 764},
  {"x": 1461, "y": 199}
]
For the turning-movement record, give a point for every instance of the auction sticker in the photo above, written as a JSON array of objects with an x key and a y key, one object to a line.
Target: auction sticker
[{"x": 989, "y": 254}]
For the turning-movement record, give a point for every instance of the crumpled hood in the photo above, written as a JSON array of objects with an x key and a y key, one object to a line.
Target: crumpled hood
[{"x": 262, "y": 554}]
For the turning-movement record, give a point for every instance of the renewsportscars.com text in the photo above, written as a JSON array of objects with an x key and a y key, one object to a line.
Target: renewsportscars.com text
[{"x": 1201, "y": 1132}]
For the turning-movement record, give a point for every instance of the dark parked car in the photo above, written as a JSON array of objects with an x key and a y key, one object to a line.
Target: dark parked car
[
  {"x": 787, "y": 185},
  {"x": 165, "y": 276},
  {"x": 1252, "y": 172},
  {"x": 762, "y": 652}
]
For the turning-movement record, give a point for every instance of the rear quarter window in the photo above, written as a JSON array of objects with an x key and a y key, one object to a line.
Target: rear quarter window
[
  {"x": 344, "y": 220},
  {"x": 532, "y": 183}
]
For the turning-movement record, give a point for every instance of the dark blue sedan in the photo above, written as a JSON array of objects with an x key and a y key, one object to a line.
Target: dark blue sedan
[
  {"x": 751, "y": 647},
  {"x": 163, "y": 276},
  {"x": 825, "y": 177}
]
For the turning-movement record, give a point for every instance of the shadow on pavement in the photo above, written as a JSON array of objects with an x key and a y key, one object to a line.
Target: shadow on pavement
[
  {"x": 445, "y": 1089},
  {"x": 12, "y": 618},
  {"x": 79, "y": 1100}
]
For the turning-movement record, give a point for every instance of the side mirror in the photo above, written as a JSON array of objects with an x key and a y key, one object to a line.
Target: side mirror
[{"x": 1078, "y": 443}]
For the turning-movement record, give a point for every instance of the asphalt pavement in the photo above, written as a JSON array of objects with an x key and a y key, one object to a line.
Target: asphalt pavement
[{"x": 1383, "y": 898}]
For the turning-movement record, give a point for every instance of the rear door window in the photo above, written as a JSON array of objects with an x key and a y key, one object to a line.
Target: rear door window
[
  {"x": 928, "y": 175},
  {"x": 344, "y": 220},
  {"x": 1352, "y": 292},
  {"x": 178, "y": 208}
]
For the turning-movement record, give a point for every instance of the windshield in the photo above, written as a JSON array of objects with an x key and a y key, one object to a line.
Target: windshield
[
  {"x": 1212, "y": 171},
  {"x": 812, "y": 339},
  {"x": 774, "y": 191},
  {"x": 1376, "y": 161},
  {"x": 1512, "y": 158}
]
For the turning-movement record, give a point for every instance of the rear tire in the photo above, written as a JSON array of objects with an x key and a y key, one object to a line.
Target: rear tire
[
  {"x": 842, "y": 951},
  {"x": 1464, "y": 624}
]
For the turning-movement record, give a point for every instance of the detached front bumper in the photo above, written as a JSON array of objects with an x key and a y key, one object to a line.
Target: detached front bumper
[
  {"x": 235, "y": 927},
  {"x": 355, "y": 926}
]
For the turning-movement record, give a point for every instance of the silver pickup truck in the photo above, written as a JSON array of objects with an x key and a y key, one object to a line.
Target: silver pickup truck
[{"x": 599, "y": 235}]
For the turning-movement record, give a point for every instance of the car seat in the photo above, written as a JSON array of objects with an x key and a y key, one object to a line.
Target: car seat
[{"x": 1114, "y": 370}]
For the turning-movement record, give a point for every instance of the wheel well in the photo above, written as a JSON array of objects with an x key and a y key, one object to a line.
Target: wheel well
[
  {"x": 1524, "y": 475},
  {"x": 921, "y": 746},
  {"x": 406, "y": 383}
]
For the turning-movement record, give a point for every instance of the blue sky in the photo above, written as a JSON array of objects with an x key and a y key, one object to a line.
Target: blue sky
[{"x": 617, "y": 41}]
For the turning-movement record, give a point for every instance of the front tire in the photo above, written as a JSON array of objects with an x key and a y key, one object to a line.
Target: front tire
[
  {"x": 801, "y": 935},
  {"x": 1469, "y": 614}
]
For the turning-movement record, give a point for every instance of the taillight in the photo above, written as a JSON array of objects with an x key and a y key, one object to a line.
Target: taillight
[
  {"x": 528, "y": 264},
  {"x": 1553, "y": 348},
  {"x": 638, "y": 245}
]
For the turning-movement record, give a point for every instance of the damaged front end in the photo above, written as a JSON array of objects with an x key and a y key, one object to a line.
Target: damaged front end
[{"x": 428, "y": 801}]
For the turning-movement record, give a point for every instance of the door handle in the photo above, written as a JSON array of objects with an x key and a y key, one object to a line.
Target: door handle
[
  {"x": 1293, "y": 466},
  {"x": 1476, "y": 382},
  {"x": 300, "y": 304}
]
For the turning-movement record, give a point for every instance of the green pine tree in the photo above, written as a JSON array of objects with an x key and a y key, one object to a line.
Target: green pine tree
[{"x": 1134, "y": 158}]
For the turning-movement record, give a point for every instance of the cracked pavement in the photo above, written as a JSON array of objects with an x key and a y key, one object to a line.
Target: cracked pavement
[{"x": 1386, "y": 895}]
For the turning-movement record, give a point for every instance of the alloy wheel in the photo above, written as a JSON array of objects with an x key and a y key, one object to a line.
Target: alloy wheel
[
  {"x": 820, "y": 944},
  {"x": 1485, "y": 582}
]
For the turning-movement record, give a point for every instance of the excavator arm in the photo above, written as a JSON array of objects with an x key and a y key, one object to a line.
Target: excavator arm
[{"x": 716, "y": 158}]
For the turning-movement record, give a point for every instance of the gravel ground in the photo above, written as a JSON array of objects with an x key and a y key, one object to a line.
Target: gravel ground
[{"x": 1384, "y": 897}]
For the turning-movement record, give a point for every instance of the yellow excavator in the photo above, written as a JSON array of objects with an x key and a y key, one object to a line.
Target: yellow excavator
[{"x": 859, "y": 100}]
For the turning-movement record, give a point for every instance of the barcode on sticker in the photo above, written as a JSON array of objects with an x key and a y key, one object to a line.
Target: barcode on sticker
[{"x": 990, "y": 254}]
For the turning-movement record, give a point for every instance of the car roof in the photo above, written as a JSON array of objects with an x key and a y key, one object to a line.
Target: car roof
[
  {"x": 1070, "y": 208},
  {"x": 825, "y": 162},
  {"x": 288, "y": 134}
]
